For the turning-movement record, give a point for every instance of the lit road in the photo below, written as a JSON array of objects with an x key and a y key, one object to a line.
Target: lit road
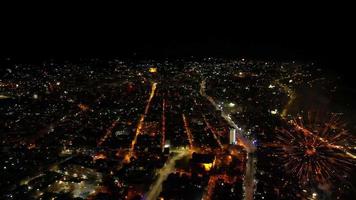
[
  {"x": 247, "y": 144},
  {"x": 213, "y": 132},
  {"x": 163, "y": 123},
  {"x": 4, "y": 96},
  {"x": 142, "y": 119},
  {"x": 108, "y": 132},
  {"x": 291, "y": 94},
  {"x": 249, "y": 180},
  {"x": 188, "y": 131},
  {"x": 163, "y": 173}
]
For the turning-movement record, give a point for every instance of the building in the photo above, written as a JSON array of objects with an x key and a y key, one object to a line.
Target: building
[
  {"x": 232, "y": 136},
  {"x": 203, "y": 161}
]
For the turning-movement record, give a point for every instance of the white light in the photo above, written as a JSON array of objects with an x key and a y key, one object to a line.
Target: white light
[
  {"x": 273, "y": 112},
  {"x": 58, "y": 83},
  {"x": 35, "y": 96},
  {"x": 314, "y": 195},
  {"x": 271, "y": 86},
  {"x": 231, "y": 104}
]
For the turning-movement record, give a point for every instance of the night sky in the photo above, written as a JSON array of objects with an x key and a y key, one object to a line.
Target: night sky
[{"x": 290, "y": 33}]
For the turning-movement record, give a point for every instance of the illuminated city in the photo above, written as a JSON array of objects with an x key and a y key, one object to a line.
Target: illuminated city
[{"x": 206, "y": 128}]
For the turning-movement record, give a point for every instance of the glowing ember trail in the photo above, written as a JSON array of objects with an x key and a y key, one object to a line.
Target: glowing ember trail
[
  {"x": 163, "y": 123},
  {"x": 312, "y": 153},
  {"x": 306, "y": 132},
  {"x": 142, "y": 118},
  {"x": 187, "y": 130}
]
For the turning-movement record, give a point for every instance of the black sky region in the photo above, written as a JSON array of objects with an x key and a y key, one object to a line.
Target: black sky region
[{"x": 281, "y": 34}]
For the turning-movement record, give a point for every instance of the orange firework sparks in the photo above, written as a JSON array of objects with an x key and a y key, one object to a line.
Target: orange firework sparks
[
  {"x": 314, "y": 152},
  {"x": 323, "y": 134},
  {"x": 187, "y": 130}
]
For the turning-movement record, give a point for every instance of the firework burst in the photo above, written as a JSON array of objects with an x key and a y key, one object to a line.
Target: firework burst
[{"x": 315, "y": 150}]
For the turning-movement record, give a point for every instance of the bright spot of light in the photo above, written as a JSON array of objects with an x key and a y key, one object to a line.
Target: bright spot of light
[
  {"x": 273, "y": 112},
  {"x": 231, "y": 104},
  {"x": 3, "y": 96},
  {"x": 153, "y": 70},
  {"x": 207, "y": 166},
  {"x": 314, "y": 195}
]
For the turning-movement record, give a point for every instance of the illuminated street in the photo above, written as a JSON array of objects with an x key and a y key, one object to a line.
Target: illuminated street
[{"x": 163, "y": 173}]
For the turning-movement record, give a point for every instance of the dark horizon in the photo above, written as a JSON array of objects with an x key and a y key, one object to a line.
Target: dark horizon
[
  {"x": 329, "y": 54},
  {"x": 301, "y": 35}
]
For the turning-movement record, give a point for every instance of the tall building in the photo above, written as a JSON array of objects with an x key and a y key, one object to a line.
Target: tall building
[{"x": 232, "y": 136}]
